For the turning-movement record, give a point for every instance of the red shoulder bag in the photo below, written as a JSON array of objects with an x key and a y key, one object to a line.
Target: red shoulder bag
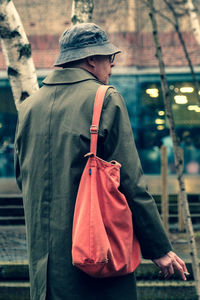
[{"x": 103, "y": 239}]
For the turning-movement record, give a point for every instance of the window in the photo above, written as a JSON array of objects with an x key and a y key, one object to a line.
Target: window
[
  {"x": 150, "y": 126},
  {"x": 8, "y": 119},
  {"x": 144, "y": 101}
]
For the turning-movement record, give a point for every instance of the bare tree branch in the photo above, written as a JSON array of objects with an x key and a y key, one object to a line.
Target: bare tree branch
[
  {"x": 177, "y": 28},
  {"x": 177, "y": 155}
]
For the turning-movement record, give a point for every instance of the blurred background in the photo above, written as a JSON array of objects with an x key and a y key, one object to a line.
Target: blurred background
[{"x": 136, "y": 76}]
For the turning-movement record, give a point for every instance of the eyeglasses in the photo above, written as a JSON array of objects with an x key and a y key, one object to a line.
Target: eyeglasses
[{"x": 111, "y": 58}]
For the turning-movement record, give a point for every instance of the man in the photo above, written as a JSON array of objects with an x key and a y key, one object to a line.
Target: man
[{"x": 51, "y": 140}]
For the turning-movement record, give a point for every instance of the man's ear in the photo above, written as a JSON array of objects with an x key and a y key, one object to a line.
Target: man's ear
[{"x": 91, "y": 61}]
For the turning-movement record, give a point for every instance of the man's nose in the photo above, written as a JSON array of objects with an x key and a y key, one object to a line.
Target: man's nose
[{"x": 112, "y": 64}]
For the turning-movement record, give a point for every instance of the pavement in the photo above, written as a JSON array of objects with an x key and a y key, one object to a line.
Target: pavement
[
  {"x": 13, "y": 238},
  {"x": 13, "y": 244}
]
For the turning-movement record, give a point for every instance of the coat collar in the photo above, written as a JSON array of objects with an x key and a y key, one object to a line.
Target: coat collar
[{"x": 68, "y": 75}]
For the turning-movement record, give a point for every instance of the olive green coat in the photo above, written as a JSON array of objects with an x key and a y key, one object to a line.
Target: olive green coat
[{"x": 51, "y": 140}]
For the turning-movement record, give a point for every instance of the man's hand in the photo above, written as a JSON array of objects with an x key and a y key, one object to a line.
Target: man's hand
[{"x": 169, "y": 262}]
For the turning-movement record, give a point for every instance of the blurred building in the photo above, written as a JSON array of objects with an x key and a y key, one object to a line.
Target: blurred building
[{"x": 136, "y": 75}]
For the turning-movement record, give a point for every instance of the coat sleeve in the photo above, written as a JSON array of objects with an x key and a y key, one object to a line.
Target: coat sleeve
[{"x": 119, "y": 145}]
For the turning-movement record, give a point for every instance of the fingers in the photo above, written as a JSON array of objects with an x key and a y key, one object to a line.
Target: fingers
[
  {"x": 179, "y": 265},
  {"x": 181, "y": 262},
  {"x": 180, "y": 269},
  {"x": 169, "y": 262},
  {"x": 168, "y": 271}
]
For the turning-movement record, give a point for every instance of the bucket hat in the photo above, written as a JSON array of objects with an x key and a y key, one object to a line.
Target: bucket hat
[{"x": 84, "y": 40}]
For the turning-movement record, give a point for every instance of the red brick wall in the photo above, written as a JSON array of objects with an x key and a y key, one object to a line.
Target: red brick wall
[{"x": 137, "y": 49}]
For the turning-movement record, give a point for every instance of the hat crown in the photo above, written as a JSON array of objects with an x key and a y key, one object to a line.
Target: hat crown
[
  {"x": 82, "y": 35},
  {"x": 84, "y": 40}
]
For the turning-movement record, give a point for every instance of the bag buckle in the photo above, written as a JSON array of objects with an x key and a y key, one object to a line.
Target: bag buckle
[{"x": 94, "y": 129}]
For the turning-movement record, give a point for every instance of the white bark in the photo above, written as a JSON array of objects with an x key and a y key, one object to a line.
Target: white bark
[
  {"x": 17, "y": 53},
  {"x": 82, "y": 11},
  {"x": 194, "y": 19}
]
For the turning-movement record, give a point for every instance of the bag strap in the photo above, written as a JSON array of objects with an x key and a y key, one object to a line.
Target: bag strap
[{"x": 94, "y": 128}]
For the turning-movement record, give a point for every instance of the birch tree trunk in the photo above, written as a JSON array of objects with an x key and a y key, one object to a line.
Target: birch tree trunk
[
  {"x": 82, "y": 11},
  {"x": 194, "y": 19},
  {"x": 17, "y": 53},
  {"x": 177, "y": 155}
]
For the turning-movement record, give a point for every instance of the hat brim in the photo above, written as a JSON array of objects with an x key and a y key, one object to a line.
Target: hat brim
[{"x": 69, "y": 55}]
